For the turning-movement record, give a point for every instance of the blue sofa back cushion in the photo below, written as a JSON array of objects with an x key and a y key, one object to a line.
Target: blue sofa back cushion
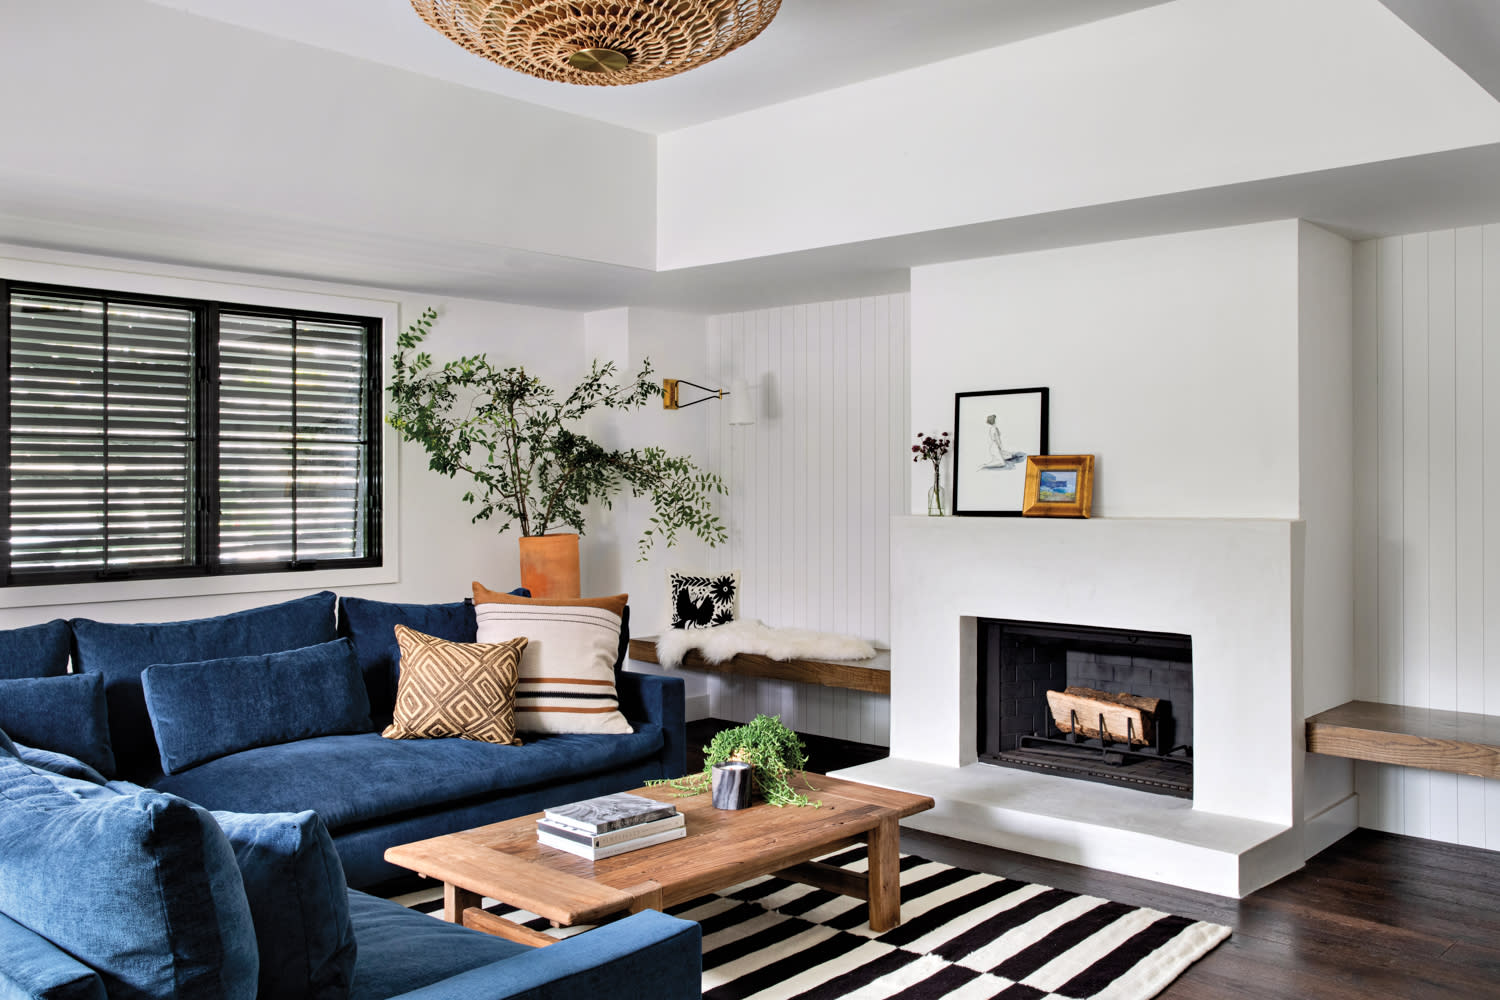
[
  {"x": 371, "y": 626},
  {"x": 35, "y": 651},
  {"x": 142, "y": 888},
  {"x": 66, "y": 714},
  {"x": 213, "y": 708},
  {"x": 121, "y": 652},
  {"x": 295, "y": 884}
]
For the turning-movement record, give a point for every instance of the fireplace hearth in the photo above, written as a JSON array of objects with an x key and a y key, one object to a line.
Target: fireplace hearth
[{"x": 1141, "y": 741}]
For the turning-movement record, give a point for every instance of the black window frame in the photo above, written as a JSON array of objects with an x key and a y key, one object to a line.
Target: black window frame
[{"x": 205, "y": 508}]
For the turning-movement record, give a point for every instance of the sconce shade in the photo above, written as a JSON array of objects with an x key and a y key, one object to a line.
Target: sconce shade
[{"x": 741, "y": 403}]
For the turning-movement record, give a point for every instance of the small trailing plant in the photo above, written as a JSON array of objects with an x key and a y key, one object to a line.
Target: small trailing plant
[
  {"x": 514, "y": 437},
  {"x": 932, "y": 449},
  {"x": 774, "y": 754}
]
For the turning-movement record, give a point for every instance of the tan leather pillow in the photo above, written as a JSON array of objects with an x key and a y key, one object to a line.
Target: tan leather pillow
[
  {"x": 567, "y": 682},
  {"x": 463, "y": 689},
  {"x": 615, "y": 604}
]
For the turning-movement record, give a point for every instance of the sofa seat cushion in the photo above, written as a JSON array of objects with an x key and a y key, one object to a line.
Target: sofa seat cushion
[
  {"x": 121, "y": 651},
  {"x": 213, "y": 708},
  {"x": 142, "y": 888},
  {"x": 58, "y": 763},
  {"x": 401, "y": 950},
  {"x": 351, "y": 780},
  {"x": 33, "y": 968}
]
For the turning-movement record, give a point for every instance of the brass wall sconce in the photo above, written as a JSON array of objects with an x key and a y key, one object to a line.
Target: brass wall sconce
[{"x": 741, "y": 408}]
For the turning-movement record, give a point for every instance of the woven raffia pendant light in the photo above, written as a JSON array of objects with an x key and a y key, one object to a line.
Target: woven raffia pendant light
[{"x": 599, "y": 43}]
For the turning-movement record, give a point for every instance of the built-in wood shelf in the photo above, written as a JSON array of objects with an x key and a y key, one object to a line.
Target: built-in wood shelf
[
  {"x": 1459, "y": 742},
  {"x": 873, "y": 675}
]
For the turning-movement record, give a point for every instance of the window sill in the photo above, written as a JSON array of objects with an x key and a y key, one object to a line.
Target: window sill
[{"x": 194, "y": 586}]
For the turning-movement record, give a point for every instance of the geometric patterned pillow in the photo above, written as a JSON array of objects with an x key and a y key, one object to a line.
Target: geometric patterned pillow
[{"x": 463, "y": 689}]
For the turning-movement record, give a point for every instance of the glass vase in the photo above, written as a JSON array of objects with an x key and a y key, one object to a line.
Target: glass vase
[{"x": 935, "y": 496}]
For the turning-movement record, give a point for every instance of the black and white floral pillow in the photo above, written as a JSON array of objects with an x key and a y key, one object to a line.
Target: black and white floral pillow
[{"x": 703, "y": 601}]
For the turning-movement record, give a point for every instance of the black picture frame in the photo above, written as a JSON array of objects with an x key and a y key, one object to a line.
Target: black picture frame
[{"x": 993, "y": 433}]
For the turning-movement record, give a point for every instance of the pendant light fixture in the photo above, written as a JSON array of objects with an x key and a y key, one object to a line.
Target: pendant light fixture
[{"x": 599, "y": 43}]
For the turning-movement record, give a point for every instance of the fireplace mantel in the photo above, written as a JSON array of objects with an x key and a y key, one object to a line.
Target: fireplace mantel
[{"x": 1233, "y": 585}]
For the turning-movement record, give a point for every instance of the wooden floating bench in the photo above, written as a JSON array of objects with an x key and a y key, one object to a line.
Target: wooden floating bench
[
  {"x": 872, "y": 675},
  {"x": 1457, "y": 742}
]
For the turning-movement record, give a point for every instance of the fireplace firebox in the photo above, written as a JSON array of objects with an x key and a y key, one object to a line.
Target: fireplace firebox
[{"x": 1120, "y": 709}]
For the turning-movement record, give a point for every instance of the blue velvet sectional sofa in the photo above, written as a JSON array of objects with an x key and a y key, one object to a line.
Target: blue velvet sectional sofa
[
  {"x": 371, "y": 792},
  {"x": 106, "y": 785},
  {"x": 110, "y": 891}
]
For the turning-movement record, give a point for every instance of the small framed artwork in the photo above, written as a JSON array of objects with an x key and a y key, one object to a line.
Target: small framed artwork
[
  {"x": 994, "y": 433},
  {"x": 1059, "y": 485}
]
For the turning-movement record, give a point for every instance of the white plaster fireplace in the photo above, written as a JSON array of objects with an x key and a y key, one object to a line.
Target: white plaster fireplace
[{"x": 1232, "y": 585}]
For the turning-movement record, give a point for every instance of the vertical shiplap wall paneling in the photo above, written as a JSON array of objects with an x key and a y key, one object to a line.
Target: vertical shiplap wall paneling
[
  {"x": 813, "y": 485},
  {"x": 1428, "y": 359},
  {"x": 1489, "y": 251},
  {"x": 1468, "y": 610}
]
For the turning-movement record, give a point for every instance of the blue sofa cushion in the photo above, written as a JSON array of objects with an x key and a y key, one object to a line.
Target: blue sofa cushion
[
  {"x": 349, "y": 780},
  {"x": 142, "y": 888},
  {"x": 295, "y": 885},
  {"x": 58, "y": 763},
  {"x": 121, "y": 652},
  {"x": 371, "y": 626},
  {"x": 402, "y": 950},
  {"x": 35, "y": 651},
  {"x": 66, "y": 714},
  {"x": 211, "y": 708},
  {"x": 34, "y": 968}
]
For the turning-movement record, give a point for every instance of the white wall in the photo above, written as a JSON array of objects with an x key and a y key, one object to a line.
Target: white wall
[
  {"x": 120, "y": 107},
  {"x": 813, "y": 484},
  {"x": 1325, "y": 371},
  {"x": 438, "y": 551},
  {"x": 676, "y": 346},
  {"x": 1173, "y": 360},
  {"x": 1183, "y": 96},
  {"x": 1428, "y": 513}
]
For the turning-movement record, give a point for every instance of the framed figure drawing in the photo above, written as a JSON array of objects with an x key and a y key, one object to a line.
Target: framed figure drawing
[{"x": 993, "y": 435}]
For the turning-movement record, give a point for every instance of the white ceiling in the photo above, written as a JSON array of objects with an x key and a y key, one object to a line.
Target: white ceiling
[{"x": 813, "y": 45}]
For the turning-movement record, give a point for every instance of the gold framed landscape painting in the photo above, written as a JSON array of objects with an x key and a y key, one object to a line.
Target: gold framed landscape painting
[{"x": 1059, "y": 486}]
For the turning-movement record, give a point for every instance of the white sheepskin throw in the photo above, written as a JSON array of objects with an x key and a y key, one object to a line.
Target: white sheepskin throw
[{"x": 747, "y": 635}]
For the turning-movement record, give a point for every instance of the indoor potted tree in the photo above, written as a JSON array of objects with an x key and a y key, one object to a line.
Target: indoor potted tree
[{"x": 515, "y": 438}]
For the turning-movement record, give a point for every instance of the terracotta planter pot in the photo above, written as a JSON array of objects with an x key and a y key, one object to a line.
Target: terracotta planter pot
[{"x": 549, "y": 565}]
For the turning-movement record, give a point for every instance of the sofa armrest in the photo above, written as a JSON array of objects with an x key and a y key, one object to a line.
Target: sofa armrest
[
  {"x": 656, "y": 955},
  {"x": 33, "y": 968},
  {"x": 662, "y": 700}
]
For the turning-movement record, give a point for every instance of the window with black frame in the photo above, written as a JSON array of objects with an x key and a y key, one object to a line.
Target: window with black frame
[{"x": 152, "y": 436}]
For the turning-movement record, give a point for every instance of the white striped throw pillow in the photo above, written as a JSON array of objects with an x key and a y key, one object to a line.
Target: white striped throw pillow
[{"x": 567, "y": 682}]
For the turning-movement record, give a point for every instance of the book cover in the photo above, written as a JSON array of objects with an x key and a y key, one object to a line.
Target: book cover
[
  {"x": 614, "y": 836},
  {"x": 609, "y": 812},
  {"x": 600, "y": 853}
]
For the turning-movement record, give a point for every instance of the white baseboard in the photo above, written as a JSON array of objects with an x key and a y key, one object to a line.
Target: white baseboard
[
  {"x": 1328, "y": 827},
  {"x": 697, "y": 707}
]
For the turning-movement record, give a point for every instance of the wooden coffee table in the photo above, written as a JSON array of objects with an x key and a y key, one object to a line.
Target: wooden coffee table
[{"x": 722, "y": 848}]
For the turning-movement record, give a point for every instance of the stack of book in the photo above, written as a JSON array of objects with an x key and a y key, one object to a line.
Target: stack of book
[{"x": 608, "y": 825}]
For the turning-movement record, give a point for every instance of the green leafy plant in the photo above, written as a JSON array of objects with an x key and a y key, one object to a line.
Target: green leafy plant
[
  {"x": 775, "y": 754},
  {"x": 514, "y": 437}
]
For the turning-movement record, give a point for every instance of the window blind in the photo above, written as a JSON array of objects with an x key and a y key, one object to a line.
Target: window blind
[
  {"x": 293, "y": 439},
  {"x": 167, "y": 437},
  {"x": 101, "y": 434}
]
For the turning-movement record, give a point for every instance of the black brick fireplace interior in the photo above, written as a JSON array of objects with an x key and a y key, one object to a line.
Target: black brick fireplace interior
[{"x": 1019, "y": 662}]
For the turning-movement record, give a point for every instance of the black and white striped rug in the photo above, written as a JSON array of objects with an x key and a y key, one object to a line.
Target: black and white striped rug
[{"x": 963, "y": 934}]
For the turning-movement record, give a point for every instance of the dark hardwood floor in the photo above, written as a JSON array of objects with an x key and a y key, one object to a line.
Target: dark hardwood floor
[{"x": 1375, "y": 915}]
